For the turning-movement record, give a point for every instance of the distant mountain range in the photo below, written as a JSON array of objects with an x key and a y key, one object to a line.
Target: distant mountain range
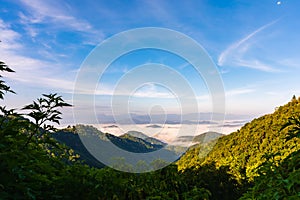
[
  {"x": 202, "y": 138},
  {"x": 137, "y": 134},
  {"x": 72, "y": 140},
  {"x": 154, "y": 126},
  {"x": 132, "y": 141},
  {"x": 135, "y": 142},
  {"x": 192, "y": 118}
]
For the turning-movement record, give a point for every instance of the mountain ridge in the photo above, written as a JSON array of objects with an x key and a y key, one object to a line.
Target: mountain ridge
[
  {"x": 71, "y": 137},
  {"x": 245, "y": 149}
]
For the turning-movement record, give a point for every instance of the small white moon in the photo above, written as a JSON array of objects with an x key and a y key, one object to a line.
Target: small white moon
[{"x": 278, "y": 2}]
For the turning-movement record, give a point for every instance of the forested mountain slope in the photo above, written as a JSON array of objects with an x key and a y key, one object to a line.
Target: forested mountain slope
[
  {"x": 137, "y": 134},
  {"x": 246, "y": 149},
  {"x": 207, "y": 137},
  {"x": 71, "y": 138}
]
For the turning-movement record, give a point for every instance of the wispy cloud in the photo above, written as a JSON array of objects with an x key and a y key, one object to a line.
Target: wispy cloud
[
  {"x": 150, "y": 90},
  {"x": 51, "y": 10},
  {"x": 8, "y": 37},
  {"x": 163, "y": 96},
  {"x": 239, "y": 91},
  {"x": 290, "y": 62},
  {"x": 58, "y": 15},
  {"x": 147, "y": 91},
  {"x": 228, "y": 93},
  {"x": 184, "y": 65},
  {"x": 35, "y": 72},
  {"x": 30, "y": 71},
  {"x": 235, "y": 54},
  {"x": 39, "y": 71},
  {"x": 162, "y": 12}
]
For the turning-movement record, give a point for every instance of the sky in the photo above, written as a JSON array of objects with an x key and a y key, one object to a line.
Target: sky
[{"x": 254, "y": 44}]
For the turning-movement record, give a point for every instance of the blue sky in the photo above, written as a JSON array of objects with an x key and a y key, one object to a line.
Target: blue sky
[{"x": 254, "y": 44}]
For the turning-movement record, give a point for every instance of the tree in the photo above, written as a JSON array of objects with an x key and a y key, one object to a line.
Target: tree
[
  {"x": 29, "y": 173},
  {"x": 3, "y": 87},
  {"x": 293, "y": 126},
  {"x": 45, "y": 110},
  {"x": 279, "y": 180}
]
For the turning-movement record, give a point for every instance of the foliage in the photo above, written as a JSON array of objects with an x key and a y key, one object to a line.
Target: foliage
[
  {"x": 28, "y": 168},
  {"x": 35, "y": 166},
  {"x": 277, "y": 182},
  {"x": 207, "y": 137},
  {"x": 279, "y": 179},
  {"x": 244, "y": 150},
  {"x": 42, "y": 111},
  {"x": 219, "y": 181},
  {"x": 3, "y": 87}
]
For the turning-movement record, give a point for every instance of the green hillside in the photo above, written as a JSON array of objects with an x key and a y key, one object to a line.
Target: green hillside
[
  {"x": 71, "y": 138},
  {"x": 126, "y": 142},
  {"x": 244, "y": 150},
  {"x": 143, "y": 136},
  {"x": 207, "y": 137},
  {"x": 137, "y": 134}
]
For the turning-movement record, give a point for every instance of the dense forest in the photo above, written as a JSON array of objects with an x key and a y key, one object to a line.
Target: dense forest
[{"x": 260, "y": 161}]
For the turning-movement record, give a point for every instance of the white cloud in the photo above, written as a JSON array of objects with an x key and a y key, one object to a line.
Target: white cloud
[
  {"x": 162, "y": 12},
  {"x": 30, "y": 71},
  {"x": 57, "y": 15},
  {"x": 290, "y": 62},
  {"x": 235, "y": 54},
  {"x": 8, "y": 37},
  {"x": 153, "y": 94},
  {"x": 150, "y": 91},
  {"x": 229, "y": 93},
  {"x": 52, "y": 10},
  {"x": 239, "y": 91},
  {"x": 184, "y": 65},
  {"x": 2, "y": 24},
  {"x": 35, "y": 72},
  {"x": 255, "y": 64}
]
